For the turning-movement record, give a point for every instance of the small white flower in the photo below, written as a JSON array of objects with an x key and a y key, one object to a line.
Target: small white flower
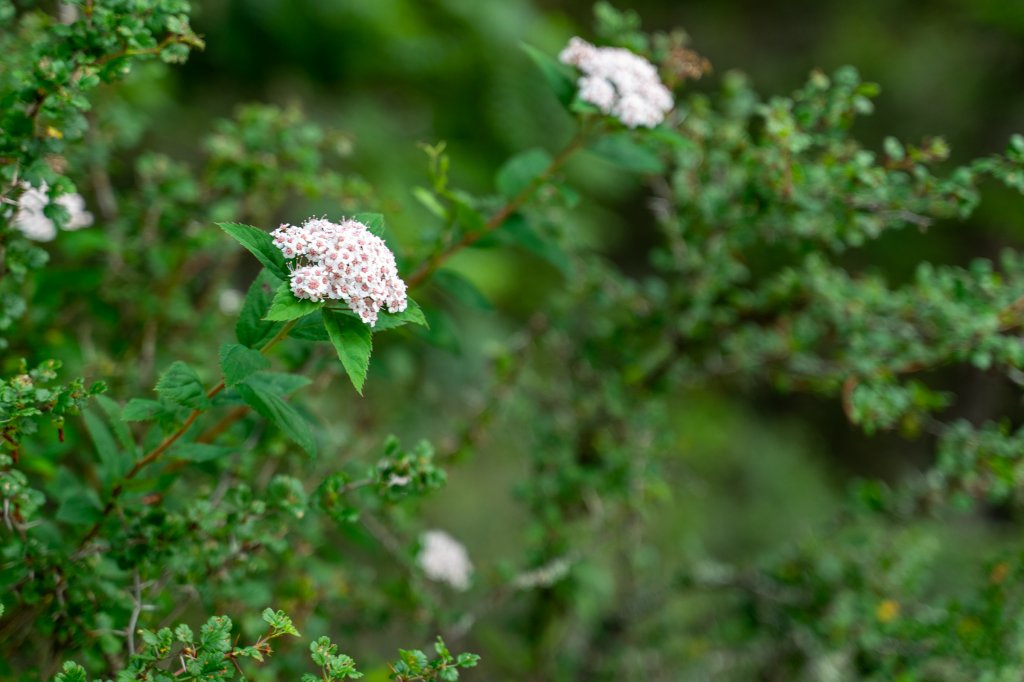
[
  {"x": 230, "y": 301},
  {"x": 545, "y": 576},
  {"x": 444, "y": 559},
  {"x": 619, "y": 83},
  {"x": 396, "y": 481},
  {"x": 33, "y": 223},
  {"x": 343, "y": 262}
]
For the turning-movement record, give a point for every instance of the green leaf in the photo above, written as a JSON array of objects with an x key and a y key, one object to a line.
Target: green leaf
[
  {"x": 251, "y": 329},
  {"x": 286, "y": 307},
  {"x": 280, "y": 413},
  {"x": 139, "y": 410},
  {"x": 113, "y": 462},
  {"x": 626, "y": 152},
  {"x": 559, "y": 77},
  {"x": 519, "y": 232},
  {"x": 261, "y": 245},
  {"x": 280, "y": 383},
  {"x": 412, "y": 314},
  {"x": 456, "y": 284},
  {"x": 354, "y": 342},
  {"x": 114, "y": 414},
  {"x": 310, "y": 328},
  {"x": 199, "y": 452},
  {"x": 430, "y": 202},
  {"x": 180, "y": 384},
  {"x": 238, "y": 362},
  {"x": 521, "y": 171},
  {"x": 71, "y": 672},
  {"x": 374, "y": 221},
  {"x": 82, "y": 508}
]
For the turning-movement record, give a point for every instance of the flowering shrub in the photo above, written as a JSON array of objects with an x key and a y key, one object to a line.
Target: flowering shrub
[{"x": 195, "y": 462}]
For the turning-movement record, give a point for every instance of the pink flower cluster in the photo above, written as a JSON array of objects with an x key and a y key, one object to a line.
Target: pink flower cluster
[
  {"x": 342, "y": 262},
  {"x": 619, "y": 83}
]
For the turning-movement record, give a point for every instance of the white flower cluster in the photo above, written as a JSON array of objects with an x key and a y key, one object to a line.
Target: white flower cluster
[
  {"x": 444, "y": 559},
  {"x": 343, "y": 262},
  {"x": 33, "y": 223},
  {"x": 619, "y": 83}
]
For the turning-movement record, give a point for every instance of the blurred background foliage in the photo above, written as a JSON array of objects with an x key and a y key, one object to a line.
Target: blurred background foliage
[{"x": 749, "y": 474}]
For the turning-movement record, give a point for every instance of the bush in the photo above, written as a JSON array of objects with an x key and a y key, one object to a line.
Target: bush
[{"x": 212, "y": 461}]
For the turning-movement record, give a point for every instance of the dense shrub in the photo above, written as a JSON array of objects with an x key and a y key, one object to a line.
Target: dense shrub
[{"x": 217, "y": 457}]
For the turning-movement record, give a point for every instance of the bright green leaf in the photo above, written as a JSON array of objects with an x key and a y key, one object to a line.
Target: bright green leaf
[
  {"x": 181, "y": 385},
  {"x": 280, "y": 413},
  {"x": 354, "y": 342},
  {"x": 261, "y": 245},
  {"x": 238, "y": 362},
  {"x": 286, "y": 307}
]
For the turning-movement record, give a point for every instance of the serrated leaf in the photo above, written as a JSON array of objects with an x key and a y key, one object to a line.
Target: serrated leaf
[
  {"x": 238, "y": 362},
  {"x": 199, "y": 452},
  {"x": 353, "y": 340},
  {"x": 310, "y": 328},
  {"x": 412, "y": 314},
  {"x": 281, "y": 414},
  {"x": 559, "y": 77},
  {"x": 114, "y": 415},
  {"x": 113, "y": 462},
  {"x": 374, "y": 221},
  {"x": 286, "y": 307},
  {"x": 259, "y": 244},
  {"x": 280, "y": 383},
  {"x": 181, "y": 385},
  {"x": 139, "y": 409},
  {"x": 251, "y": 329}
]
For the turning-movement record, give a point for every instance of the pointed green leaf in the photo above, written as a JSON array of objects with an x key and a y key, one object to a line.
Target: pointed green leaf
[
  {"x": 354, "y": 342},
  {"x": 259, "y": 244},
  {"x": 430, "y": 202},
  {"x": 286, "y": 307},
  {"x": 113, "y": 462},
  {"x": 181, "y": 385},
  {"x": 280, "y": 413},
  {"x": 412, "y": 314},
  {"x": 199, "y": 452},
  {"x": 374, "y": 221},
  {"x": 559, "y": 77},
  {"x": 238, "y": 362},
  {"x": 310, "y": 328},
  {"x": 280, "y": 383},
  {"x": 115, "y": 415},
  {"x": 251, "y": 329},
  {"x": 140, "y": 410}
]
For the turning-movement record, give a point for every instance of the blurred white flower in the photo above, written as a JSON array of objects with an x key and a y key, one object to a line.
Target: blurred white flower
[
  {"x": 230, "y": 301},
  {"x": 619, "y": 83},
  {"x": 544, "y": 576},
  {"x": 444, "y": 559},
  {"x": 396, "y": 481},
  {"x": 33, "y": 223},
  {"x": 343, "y": 262}
]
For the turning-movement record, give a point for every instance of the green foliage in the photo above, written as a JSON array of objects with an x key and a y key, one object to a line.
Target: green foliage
[{"x": 593, "y": 381}]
